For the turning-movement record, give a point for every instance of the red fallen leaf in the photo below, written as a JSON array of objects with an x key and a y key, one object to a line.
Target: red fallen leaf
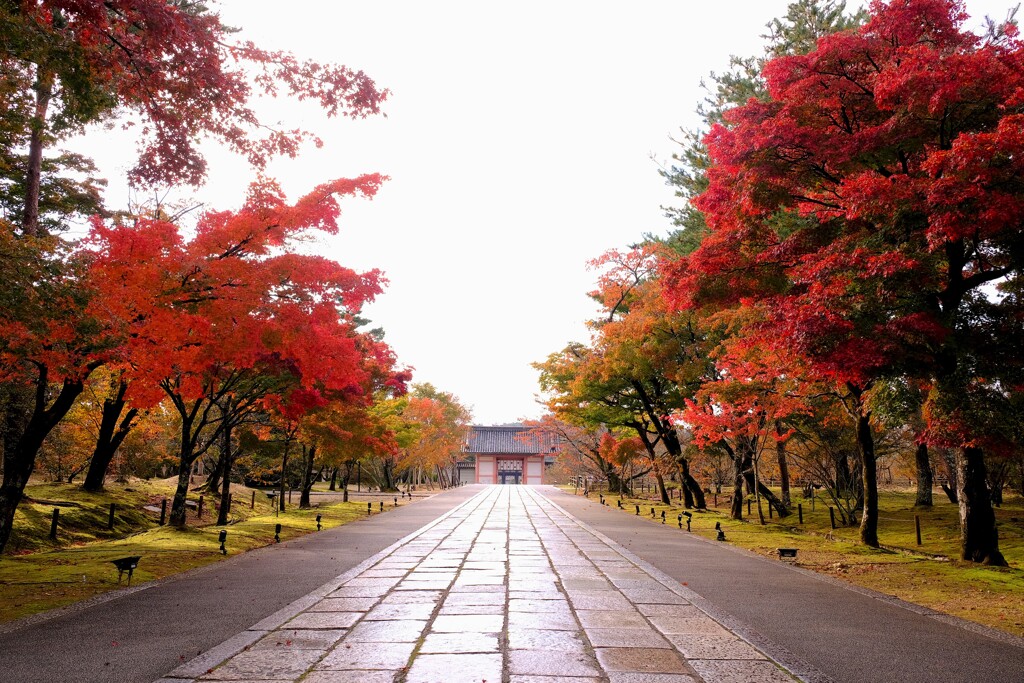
[
  {"x": 113, "y": 643},
  {"x": 287, "y": 642}
]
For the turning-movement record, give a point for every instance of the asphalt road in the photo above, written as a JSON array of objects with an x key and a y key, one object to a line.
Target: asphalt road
[
  {"x": 812, "y": 624},
  {"x": 848, "y": 635},
  {"x": 142, "y": 635}
]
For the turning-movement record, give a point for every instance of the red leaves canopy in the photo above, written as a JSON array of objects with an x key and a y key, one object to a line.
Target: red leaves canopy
[
  {"x": 235, "y": 297},
  {"x": 870, "y": 193},
  {"x": 175, "y": 65}
]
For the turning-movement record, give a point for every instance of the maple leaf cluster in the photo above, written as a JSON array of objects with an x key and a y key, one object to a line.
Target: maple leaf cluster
[
  {"x": 234, "y": 296},
  {"x": 177, "y": 68}
]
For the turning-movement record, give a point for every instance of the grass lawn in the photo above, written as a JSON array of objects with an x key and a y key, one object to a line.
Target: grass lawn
[
  {"x": 929, "y": 574},
  {"x": 38, "y": 574}
]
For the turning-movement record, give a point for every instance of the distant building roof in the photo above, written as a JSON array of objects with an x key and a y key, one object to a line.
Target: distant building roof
[{"x": 511, "y": 439}]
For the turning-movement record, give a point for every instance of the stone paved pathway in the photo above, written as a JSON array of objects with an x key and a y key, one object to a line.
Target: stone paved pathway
[{"x": 505, "y": 588}]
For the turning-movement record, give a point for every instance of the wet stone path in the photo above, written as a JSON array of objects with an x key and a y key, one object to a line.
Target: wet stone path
[{"x": 505, "y": 588}]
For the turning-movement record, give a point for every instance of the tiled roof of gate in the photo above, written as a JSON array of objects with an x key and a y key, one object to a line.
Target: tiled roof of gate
[{"x": 506, "y": 439}]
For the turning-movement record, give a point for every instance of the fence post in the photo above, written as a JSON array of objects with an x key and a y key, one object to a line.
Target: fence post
[
  {"x": 53, "y": 524},
  {"x": 800, "y": 511},
  {"x": 917, "y": 525}
]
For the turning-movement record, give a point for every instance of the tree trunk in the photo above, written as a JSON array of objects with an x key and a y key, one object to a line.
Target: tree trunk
[
  {"x": 998, "y": 473},
  {"x": 185, "y": 461},
  {"x": 178, "y": 509},
  {"x": 346, "y": 478},
  {"x": 334, "y": 480},
  {"x": 74, "y": 473},
  {"x": 950, "y": 486},
  {"x": 213, "y": 481},
  {"x": 284, "y": 475},
  {"x": 757, "y": 490},
  {"x": 753, "y": 484},
  {"x": 27, "y": 422},
  {"x": 227, "y": 459},
  {"x": 33, "y": 174},
  {"x": 736, "y": 509},
  {"x": 687, "y": 494},
  {"x": 113, "y": 430},
  {"x": 924, "y": 476},
  {"x": 844, "y": 477},
  {"x": 781, "y": 508},
  {"x": 780, "y": 454},
  {"x": 195, "y": 418},
  {"x": 307, "y": 477},
  {"x": 665, "y": 500},
  {"x": 615, "y": 483},
  {"x": 979, "y": 539},
  {"x": 869, "y": 518},
  {"x": 693, "y": 493},
  {"x": 389, "y": 475}
]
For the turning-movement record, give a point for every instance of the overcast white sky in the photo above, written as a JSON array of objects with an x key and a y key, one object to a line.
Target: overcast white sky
[{"x": 519, "y": 140}]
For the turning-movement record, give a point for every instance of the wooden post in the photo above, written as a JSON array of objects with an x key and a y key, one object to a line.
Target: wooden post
[
  {"x": 163, "y": 512},
  {"x": 53, "y": 524},
  {"x": 832, "y": 516},
  {"x": 252, "y": 504},
  {"x": 110, "y": 519},
  {"x": 800, "y": 511},
  {"x": 199, "y": 508},
  {"x": 917, "y": 525}
]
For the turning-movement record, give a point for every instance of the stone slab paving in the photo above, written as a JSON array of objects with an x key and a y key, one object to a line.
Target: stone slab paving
[{"x": 505, "y": 588}]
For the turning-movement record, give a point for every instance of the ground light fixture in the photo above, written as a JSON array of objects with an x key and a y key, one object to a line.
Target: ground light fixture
[{"x": 126, "y": 564}]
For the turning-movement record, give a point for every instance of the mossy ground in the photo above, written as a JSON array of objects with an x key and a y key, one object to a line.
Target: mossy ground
[
  {"x": 930, "y": 574},
  {"x": 37, "y": 574}
]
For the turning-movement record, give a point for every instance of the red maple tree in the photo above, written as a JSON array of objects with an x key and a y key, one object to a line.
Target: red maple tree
[
  {"x": 234, "y": 311},
  {"x": 867, "y": 200}
]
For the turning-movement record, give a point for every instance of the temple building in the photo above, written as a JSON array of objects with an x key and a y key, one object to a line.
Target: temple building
[{"x": 509, "y": 454}]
